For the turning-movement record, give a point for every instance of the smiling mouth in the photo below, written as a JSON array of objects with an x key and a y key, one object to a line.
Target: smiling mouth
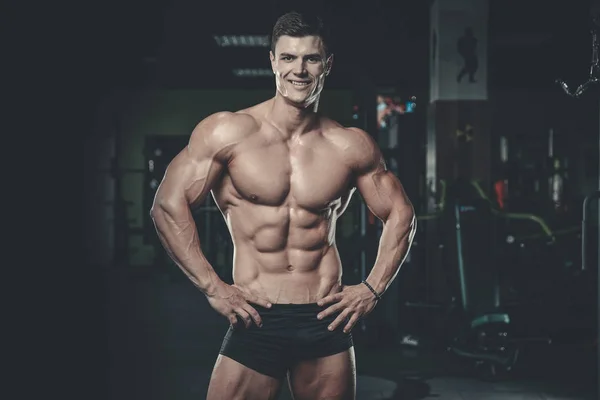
[{"x": 300, "y": 83}]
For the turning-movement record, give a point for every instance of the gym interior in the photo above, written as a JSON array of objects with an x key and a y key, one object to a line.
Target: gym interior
[{"x": 497, "y": 150}]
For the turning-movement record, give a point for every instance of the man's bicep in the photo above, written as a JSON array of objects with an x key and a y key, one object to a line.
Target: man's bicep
[
  {"x": 189, "y": 178},
  {"x": 192, "y": 174},
  {"x": 383, "y": 193}
]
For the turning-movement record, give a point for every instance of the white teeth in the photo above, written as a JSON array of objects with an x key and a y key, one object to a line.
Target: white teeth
[{"x": 299, "y": 83}]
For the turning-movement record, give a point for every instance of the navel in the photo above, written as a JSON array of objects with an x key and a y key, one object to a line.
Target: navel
[{"x": 290, "y": 268}]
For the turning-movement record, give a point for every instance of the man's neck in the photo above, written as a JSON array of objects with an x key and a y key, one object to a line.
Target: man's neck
[{"x": 292, "y": 120}]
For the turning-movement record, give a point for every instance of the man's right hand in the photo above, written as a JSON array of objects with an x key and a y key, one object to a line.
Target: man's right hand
[{"x": 231, "y": 302}]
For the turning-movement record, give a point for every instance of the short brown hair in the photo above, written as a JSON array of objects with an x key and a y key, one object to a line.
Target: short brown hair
[{"x": 297, "y": 24}]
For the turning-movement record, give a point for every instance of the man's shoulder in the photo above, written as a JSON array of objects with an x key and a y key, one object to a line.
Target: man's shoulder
[
  {"x": 225, "y": 128},
  {"x": 347, "y": 136},
  {"x": 238, "y": 122},
  {"x": 356, "y": 146}
]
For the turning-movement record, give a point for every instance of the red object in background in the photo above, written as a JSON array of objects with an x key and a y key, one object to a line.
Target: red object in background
[
  {"x": 370, "y": 217},
  {"x": 500, "y": 189}
]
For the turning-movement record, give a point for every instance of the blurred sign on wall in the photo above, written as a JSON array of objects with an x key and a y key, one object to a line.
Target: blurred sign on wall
[{"x": 458, "y": 50}]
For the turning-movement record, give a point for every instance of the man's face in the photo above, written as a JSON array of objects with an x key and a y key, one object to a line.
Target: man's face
[{"x": 300, "y": 68}]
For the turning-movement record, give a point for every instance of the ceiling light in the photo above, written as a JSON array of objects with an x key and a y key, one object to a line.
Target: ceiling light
[
  {"x": 252, "y": 72},
  {"x": 242, "y": 40}
]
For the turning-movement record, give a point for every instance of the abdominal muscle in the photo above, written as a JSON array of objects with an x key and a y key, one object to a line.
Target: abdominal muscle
[{"x": 286, "y": 255}]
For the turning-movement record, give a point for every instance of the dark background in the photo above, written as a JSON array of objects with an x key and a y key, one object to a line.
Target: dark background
[{"x": 65, "y": 60}]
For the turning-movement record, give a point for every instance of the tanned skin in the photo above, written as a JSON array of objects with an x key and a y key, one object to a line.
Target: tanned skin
[{"x": 282, "y": 174}]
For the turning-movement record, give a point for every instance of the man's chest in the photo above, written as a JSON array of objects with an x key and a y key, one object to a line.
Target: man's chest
[{"x": 312, "y": 173}]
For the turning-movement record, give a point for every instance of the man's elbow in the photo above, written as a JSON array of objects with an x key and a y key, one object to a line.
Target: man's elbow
[
  {"x": 155, "y": 210},
  {"x": 405, "y": 215},
  {"x": 162, "y": 205}
]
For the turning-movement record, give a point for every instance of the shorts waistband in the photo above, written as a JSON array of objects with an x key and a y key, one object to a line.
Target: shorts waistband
[{"x": 292, "y": 307}]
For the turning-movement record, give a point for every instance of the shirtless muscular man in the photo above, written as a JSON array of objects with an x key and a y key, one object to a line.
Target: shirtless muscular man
[{"x": 281, "y": 175}]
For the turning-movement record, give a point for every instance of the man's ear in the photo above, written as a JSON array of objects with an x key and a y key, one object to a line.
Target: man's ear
[
  {"x": 328, "y": 64},
  {"x": 272, "y": 57}
]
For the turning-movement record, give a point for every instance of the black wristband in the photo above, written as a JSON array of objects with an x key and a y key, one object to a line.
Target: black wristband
[{"x": 377, "y": 296}]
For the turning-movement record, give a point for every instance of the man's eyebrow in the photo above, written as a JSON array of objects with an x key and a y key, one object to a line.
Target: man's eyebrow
[{"x": 314, "y": 55}]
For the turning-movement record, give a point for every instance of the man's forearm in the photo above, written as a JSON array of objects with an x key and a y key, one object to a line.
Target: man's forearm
[
  {"x": 178, "y": 234},
  {"x": 394, "y": 244}
]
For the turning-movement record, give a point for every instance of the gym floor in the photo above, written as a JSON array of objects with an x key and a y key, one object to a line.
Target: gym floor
[{"x": 164, "y": 339}]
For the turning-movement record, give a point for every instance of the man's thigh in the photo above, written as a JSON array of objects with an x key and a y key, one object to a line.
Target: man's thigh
[
  {"x": 231, "y": 380},
  {"x": 332, "y": 377}
]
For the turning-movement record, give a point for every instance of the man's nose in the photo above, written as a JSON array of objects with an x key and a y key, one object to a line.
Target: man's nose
[{"x": 299, "y": 67}]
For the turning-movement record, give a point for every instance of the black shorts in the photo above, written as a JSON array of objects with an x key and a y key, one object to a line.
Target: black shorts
[{"x": 289, "y": 333}]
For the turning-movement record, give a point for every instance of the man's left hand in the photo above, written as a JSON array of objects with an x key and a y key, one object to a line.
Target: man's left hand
[{"x": 354, "y": 302}]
